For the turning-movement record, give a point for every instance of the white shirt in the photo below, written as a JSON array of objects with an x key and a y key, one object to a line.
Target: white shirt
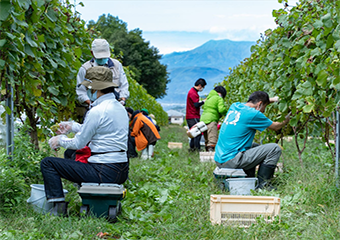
[{"x": 106, "y": 127}]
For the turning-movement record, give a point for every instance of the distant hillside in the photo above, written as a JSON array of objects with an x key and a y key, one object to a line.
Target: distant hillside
[
  {"x": 182, "y": 79},
  {"x": 210, "y": 61}
]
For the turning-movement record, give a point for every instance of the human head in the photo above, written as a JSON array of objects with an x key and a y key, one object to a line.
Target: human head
[
  {"x": 145, "y": 111},
  {"x": 129, "y": 111},
  {"x": 98, "y": 78},
  {"x": 260, "y": 99},
  {"x": 221, "y": 90},
  {"x": 98, "y": 81},
  {"x": 100, "y": 48},
  {"x": 200, "y": 84}
]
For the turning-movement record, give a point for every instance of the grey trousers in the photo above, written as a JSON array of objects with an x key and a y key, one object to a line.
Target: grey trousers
[{"x": 268, "y": 154}]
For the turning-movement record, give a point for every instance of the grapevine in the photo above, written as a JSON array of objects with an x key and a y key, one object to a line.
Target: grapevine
[{"x": 299, "y": 62}]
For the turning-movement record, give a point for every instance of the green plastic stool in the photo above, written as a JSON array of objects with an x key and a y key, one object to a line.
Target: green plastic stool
[{"x": 101, "y": 200}]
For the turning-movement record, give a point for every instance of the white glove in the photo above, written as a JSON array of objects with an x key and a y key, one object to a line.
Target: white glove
[
  {"x": 54, "y": 142},
  {"x": 275, "y": 99},
  {"x": 65, "y": 127}
]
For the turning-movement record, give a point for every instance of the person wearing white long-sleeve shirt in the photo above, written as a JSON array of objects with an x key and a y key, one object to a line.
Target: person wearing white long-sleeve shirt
[
  {"x": 100, "y": 50},
  {"x": 104, "y": 131}
]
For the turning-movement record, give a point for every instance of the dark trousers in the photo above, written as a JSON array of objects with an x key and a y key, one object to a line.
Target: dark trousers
[
  {"x": 53, "y": 169},
  {"x": 131, "y": 147},
  {"x": 194, "y": 142}
]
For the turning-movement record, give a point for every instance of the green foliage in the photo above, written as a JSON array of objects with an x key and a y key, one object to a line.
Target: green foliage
[
  {"x": 42, "y": 46},
  {"x": 27, "y": 158},
  {"x": 22, "y": 170},
  {"x": 139, "y": 99},
  {"x": 168, "y": 198},
  {"x": 12, "y": 184},
  {"x": 299, "y": 62},
  {"x": 141, "y": 58}
]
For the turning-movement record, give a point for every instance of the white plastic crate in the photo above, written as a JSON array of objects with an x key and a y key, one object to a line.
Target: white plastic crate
[
  {"x": 207, "y": 156},
  {"x": 172, "y": 145},
  {"x": 242, "y": 211}
]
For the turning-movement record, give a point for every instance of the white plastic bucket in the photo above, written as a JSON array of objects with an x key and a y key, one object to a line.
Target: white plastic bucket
[
  {"x": 193, "y": 132},
  {"x": 241, "y": 186},
  {"x": 202, "y": 126},
  {"x": 38, "y": 198}
]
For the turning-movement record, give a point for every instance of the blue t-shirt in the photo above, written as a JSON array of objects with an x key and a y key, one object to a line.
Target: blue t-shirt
[{"x": 238, "y": 131}]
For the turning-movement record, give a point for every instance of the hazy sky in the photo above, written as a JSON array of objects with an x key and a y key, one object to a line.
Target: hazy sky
[{"x": 172, "y": 25}]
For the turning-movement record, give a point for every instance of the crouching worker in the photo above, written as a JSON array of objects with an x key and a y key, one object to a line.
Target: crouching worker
[
  {"x": 235, "y": 147},
  {"x": 105, "y": 131},
  {"x": 145, "y": 134}
]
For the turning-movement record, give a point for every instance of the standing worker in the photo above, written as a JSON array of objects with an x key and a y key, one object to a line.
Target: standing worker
[
  {"x": 100, "y": 51},
  {"x": 235, "y": 147},
  {"x": 193, "y": 111},
  {"x": 213, "y": 110}
]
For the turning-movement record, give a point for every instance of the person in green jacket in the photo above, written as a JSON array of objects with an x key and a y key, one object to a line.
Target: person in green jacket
[{"x": 213, "y": 110}]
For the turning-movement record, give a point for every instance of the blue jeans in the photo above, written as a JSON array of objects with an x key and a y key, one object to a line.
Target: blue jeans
[{"x": 53, "y": 169}]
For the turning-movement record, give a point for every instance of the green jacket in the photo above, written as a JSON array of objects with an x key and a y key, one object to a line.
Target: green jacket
[{"x": 213, "y": 108}]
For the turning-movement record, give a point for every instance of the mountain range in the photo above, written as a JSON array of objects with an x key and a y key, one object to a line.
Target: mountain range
[{"x": 210, "y": 61}]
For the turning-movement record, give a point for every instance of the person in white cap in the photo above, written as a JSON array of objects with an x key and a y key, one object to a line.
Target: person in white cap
[{"x": 101, "y": 57}]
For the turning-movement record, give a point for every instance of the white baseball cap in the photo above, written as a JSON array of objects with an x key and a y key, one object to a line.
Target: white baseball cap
[{"x": 100, "y": 48}]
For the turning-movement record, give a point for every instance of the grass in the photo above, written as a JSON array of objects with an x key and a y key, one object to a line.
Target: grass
[{"x": 169, "y": 198}]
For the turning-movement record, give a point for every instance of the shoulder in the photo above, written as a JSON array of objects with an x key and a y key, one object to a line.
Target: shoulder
[
  {"x": 87, "y": 65},
  {"x": 115, "y": 62}
]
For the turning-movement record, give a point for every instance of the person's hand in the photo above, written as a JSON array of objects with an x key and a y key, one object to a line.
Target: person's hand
[
  {"x": 64, "y": 128},
  {"x": 274, "y": 99},
  {"x": 122, "y": 101},
  {"x": 287, "y": 118},
  {"x": 54, "y": 142},
  {"x": 88, "y": 102}
]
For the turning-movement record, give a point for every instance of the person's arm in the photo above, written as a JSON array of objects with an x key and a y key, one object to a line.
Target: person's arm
[
  {"x": 198, "y": 104},
  {"x": 86, "y": 133},
  {"x": 124, "y": 85},
  {"x": 275, "y": 126},
  {"x": 136, "y": 126},
  {"x": 221, "y": 107},
  {"x": 81, "y": 90}
]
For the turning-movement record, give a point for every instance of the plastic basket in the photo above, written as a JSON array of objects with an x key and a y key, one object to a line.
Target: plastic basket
[
  {"x": 172, "y": 145},
  {"x": 242, "y": 211},
  {"x": 38, "y": 199},
  {"x": 207, "y": 156},
  {"x": 240, "y": 186}
]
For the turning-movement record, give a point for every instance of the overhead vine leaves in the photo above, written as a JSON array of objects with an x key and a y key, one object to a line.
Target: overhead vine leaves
[
  {"x": 42, "y": 45},
  {"x": 299, "y": 62}
]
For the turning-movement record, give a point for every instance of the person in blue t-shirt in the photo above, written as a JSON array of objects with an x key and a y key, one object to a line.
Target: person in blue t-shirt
[{"x": 235, "y": 147}]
